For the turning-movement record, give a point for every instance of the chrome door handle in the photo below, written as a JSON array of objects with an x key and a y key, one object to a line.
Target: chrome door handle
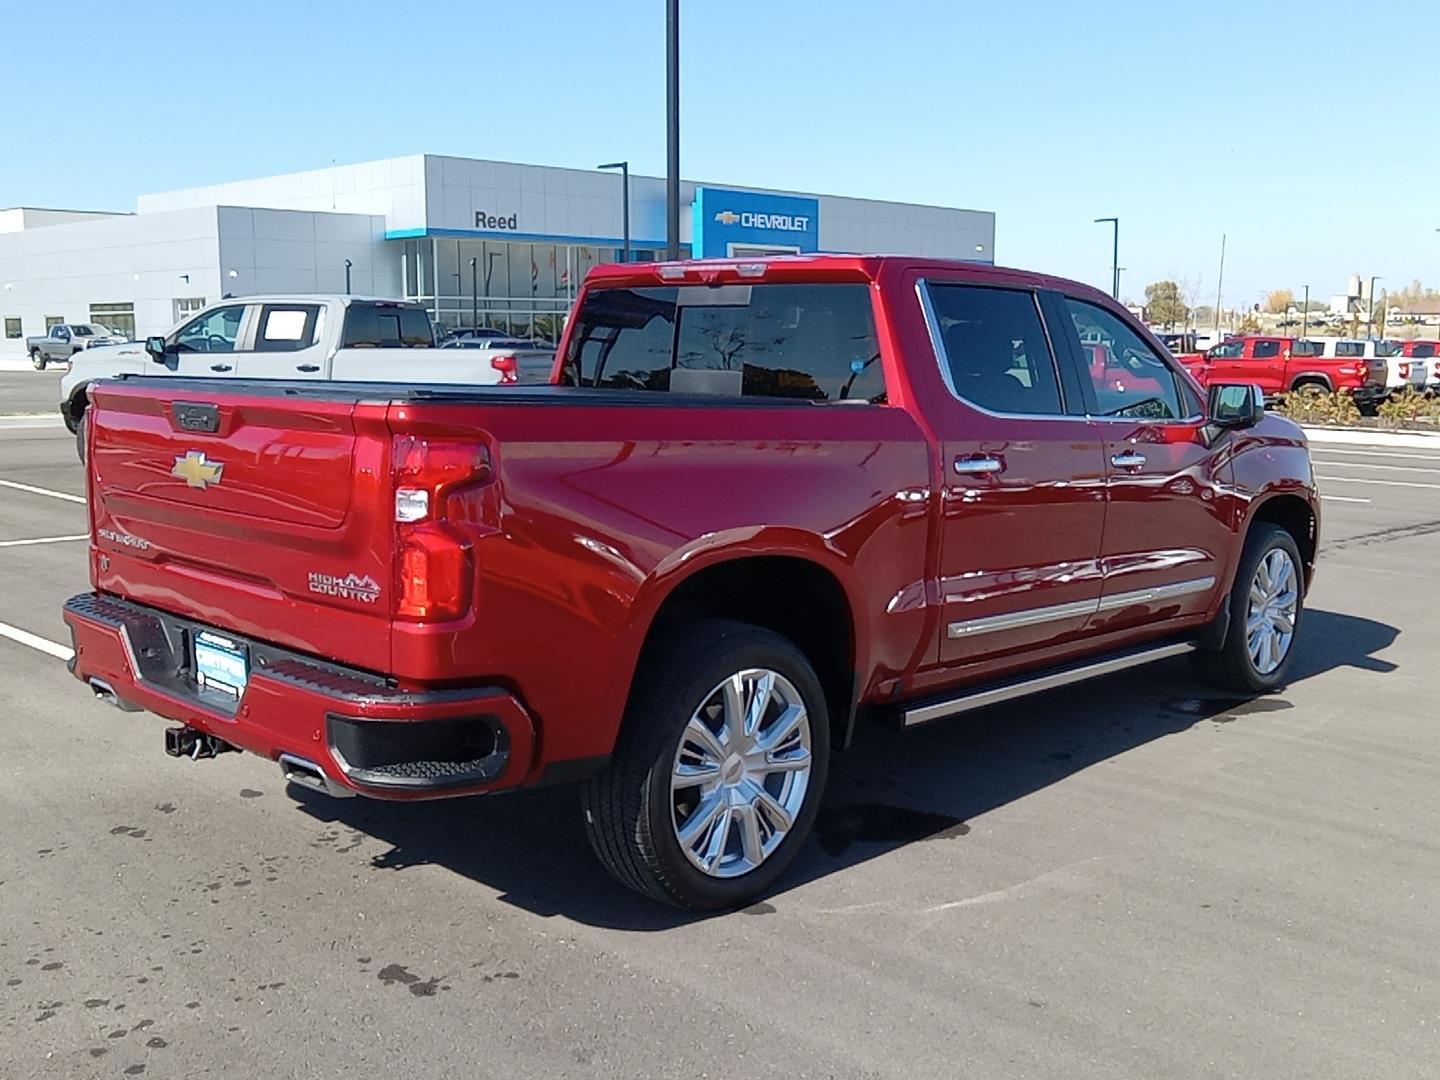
[
  {"x": 1128, "y": 460},
  {"x": 221, "y": 367},
  {"x": 977, "y": 466},
  {"x": 307, "y": 367}
]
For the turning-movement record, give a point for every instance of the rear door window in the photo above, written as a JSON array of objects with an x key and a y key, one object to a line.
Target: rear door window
[
  {"x": 1423, "y": 351},
  {"x": 386, "y": 326},
  {"x": 286, "y": 327},
  {"x": 812, "y": 342},
  {"x": 1265, "y": 350},
  {"x": 993, "y": 349}
]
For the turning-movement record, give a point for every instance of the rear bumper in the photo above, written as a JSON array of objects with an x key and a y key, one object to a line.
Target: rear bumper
[{"x": 363, "y": 734}]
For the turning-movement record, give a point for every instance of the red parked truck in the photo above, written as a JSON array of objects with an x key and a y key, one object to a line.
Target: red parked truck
[
  {"x": 1280, "y": 365},
  {"x": 765, "y": 498}
]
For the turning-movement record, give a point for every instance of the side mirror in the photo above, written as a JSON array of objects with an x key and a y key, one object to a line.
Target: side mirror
[
  {"x": 155, "y": 346},
  {"x": 1232, "y": 406}
]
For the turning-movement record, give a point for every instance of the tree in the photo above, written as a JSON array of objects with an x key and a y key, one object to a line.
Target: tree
[
  {"x": 1250, "y": 324},
  {"x": 1162, "y": 301},
  {"x": 1279, "y": 301}
]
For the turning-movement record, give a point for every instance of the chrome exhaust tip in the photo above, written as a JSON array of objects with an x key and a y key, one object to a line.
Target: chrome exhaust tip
[{"x": 307, "y": 774}]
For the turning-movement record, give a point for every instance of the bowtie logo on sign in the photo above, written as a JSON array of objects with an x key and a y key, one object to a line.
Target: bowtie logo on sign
[{"x": 748, "y": 219}]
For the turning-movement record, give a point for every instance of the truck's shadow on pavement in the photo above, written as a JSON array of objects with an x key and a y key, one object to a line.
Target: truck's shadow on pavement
[{"x": 892, "y": 788}]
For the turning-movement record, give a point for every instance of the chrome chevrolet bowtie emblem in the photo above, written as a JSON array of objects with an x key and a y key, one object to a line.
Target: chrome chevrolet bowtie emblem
[{"x": 192, "y": 467}]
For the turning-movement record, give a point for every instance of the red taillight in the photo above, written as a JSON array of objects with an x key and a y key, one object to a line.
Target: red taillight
[
  {"x": 434, "y": 568},
  {"x": 1404, "y": 370},
  {"x": 508, "y": 367}
]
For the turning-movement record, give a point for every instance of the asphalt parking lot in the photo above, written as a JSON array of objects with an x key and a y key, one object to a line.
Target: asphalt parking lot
[{"x": 1130, "y": 879}]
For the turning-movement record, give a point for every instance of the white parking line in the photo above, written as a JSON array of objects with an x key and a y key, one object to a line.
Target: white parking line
[
  {"x": 43, "y": 540},
  {"x": 1318, "y": 452},
  {"x": 1342, "y": 498},
  {"x": 35, "y": 641},
  {"x": 1372, "y": 480},
  {"x": 1372, "y": 465},
  {"x": 43, "y": 491}
]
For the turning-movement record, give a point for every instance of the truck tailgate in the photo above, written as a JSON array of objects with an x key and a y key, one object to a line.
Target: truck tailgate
[{"x": 247, "y": 512}]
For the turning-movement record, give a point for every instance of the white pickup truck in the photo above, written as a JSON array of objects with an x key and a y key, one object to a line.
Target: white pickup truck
[{"x": 340, "y": 338}]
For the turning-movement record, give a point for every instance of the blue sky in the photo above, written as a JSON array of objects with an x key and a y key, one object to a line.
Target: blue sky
[{"x": 1281, "y": 124}]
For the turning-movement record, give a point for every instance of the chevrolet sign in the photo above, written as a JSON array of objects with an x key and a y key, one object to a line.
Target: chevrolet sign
[{"x": 747, "y": 219}]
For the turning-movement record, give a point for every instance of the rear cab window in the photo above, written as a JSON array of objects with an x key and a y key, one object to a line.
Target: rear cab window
[
  {"x": 386, "y": 326},
  {"x": 812, "y": 342}
]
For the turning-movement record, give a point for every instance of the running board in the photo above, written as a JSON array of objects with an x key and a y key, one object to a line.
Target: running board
[{"x": 924, "y": 712}]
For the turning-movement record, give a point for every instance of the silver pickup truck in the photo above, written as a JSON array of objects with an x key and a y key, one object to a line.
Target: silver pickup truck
[
  {"x": 63, "y": 340},
  {"x": 291, "y": 337}
]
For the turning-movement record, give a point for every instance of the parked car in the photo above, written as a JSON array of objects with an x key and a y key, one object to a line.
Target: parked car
[
  {"x": 1400, "y": 372},
  {"x": 58, "y": 344},
  {"x": 765, "y": 499},
  {"x": 323, "y": 338},
  {"x": 1280, "y": 365}
]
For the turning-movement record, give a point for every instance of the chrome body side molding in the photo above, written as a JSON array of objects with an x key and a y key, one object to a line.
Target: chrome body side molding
[{"x": 1010, "y": 620}]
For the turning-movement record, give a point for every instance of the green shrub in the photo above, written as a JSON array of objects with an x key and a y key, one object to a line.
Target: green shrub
[
  {"x": 1314, "y": 406},
  {"x": 1409, "y": 407}
]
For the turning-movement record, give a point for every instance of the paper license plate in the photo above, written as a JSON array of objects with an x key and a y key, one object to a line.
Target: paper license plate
[{"x": 221, "y": 664}]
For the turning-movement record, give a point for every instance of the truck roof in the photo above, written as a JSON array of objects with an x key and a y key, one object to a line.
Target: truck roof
[
  {"x": 782, "y": 267},
  {"x": 310, "y": 298}
]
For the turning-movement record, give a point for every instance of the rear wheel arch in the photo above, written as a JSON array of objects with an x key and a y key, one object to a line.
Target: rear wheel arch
[
  {"x": 1312, "y": 378},
  {"x": 791, "y": 595}
]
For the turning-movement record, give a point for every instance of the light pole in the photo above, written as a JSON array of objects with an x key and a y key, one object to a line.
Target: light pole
[
  {"x": 1370, "y": 315},
  {"x": 1220, "y": 288},
  {"x": 624, "y": 167},
  {"x": 1115, "y": 254},
  {"x": 474, "y": 294},
  {"x": 672, "y": 129},
  {"x": 348, "y": 264},
  {"x": 1305, "y": 314}
]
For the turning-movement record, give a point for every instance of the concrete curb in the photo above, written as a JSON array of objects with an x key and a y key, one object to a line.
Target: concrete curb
[{"x": 1413, "y": 440}]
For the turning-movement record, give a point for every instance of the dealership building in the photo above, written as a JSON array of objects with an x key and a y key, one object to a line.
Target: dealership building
[{"x": 492, "y": 242}]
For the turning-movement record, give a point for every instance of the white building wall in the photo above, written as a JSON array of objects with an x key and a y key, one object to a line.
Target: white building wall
[
  {"x": 393, "y": 188},
  {"x": 18, "y": 218},
  {"x": 285, "y": 251},
  {"x": 62, "y": 269}
]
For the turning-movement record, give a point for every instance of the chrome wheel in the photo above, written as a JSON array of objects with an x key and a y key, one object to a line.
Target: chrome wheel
[
  {"x": 741, "y": 772},
  {"x": 1274, "y": 603}
]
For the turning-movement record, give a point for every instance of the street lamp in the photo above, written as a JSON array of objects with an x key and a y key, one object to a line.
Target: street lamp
[
  {"x": 348, "y": 264},
  {"x": 1115, "y": 256},
  {"x": 672, "y": 129},
  {"x": 1305, "y": 314},
  {"x": 624, "y": 167},
  {"x": 1370, "y": 316}
]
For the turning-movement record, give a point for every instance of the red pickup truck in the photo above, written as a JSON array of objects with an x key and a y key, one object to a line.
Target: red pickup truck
[
  {"x": 1280, "y": 365},
  {"x": 764, "y": 499}
]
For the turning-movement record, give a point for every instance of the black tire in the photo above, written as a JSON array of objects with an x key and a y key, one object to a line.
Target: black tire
[
  {"x": 628, "y": 808},
  {"x": 80, "y": 426},
  {"x": 37, "y": 359},
  {"x": 1231, "y": 667}
]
